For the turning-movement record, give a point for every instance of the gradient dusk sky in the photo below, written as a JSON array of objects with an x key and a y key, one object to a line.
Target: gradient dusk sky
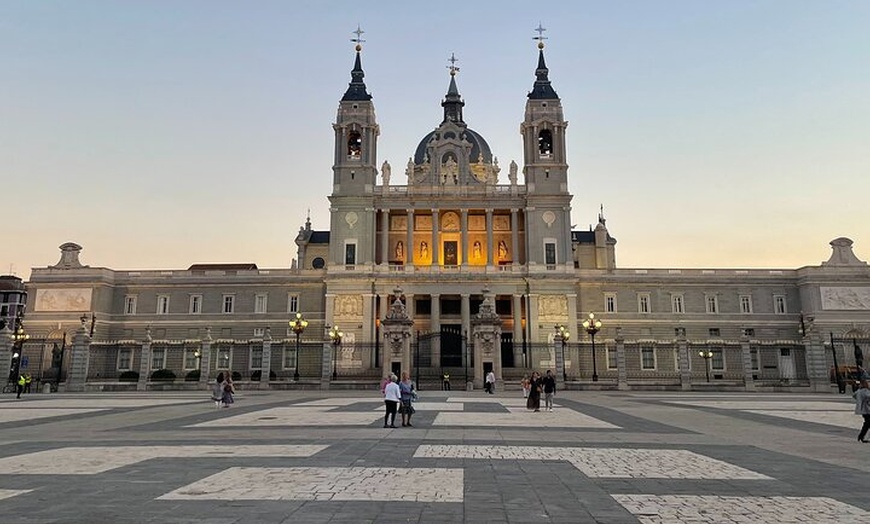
[{"x": 158, "y": 134}]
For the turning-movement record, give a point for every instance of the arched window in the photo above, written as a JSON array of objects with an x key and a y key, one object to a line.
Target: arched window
[
  {"x": 354, "y": 145},
  {"x": 545, "y": 143}
]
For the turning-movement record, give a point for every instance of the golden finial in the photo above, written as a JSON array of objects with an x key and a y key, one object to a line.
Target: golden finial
[
  {"x": 359, "y": 32},
  {"x": 540, "y": 38}
]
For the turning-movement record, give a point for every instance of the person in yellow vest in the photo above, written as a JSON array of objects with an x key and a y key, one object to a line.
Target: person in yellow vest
[
  {"x": 20, "y": 385},
  {"x": 28, "y": 380}
]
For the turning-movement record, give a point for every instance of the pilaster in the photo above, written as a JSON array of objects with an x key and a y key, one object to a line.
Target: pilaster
[
  {"x": 205, "y": 357},
  {"x": 266, "y": 366},
  {"x": 78, "y": 369}
]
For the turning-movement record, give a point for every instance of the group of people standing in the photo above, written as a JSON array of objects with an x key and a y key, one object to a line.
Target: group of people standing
[
  {"x": 399, "y": 396},
  {"x": 536, "y": 386},
  {"x": 223, "y": 390}
]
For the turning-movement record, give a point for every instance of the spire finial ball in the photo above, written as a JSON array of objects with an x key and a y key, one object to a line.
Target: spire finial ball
[
  {"x": 358, "y": 48},
  {"x": 540, "y": 45}
]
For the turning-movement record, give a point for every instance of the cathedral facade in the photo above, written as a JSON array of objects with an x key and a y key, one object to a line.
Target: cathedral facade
[{"x": 457, "y": 266}]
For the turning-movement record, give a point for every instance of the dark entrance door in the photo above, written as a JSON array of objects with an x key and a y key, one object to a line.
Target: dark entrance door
[
  {"x": 451, "y": 346},
  {"x": 450, "y": 253},
  {"x": 507, "y": 350},
  {"x": 396, "y": 368}
]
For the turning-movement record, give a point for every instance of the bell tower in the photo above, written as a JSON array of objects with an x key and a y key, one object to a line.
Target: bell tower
[
  {"x": 354, "y": 172},
  {"x": 546, "y": 171}
]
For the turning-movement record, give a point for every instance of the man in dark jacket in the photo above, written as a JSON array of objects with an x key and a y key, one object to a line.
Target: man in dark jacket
[{"x": 549, "y": 383}]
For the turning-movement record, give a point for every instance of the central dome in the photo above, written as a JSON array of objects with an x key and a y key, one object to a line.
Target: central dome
[{"x": 478, "y": 145}]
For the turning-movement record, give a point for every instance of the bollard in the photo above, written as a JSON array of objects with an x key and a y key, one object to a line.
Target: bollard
[{"x": 46, "y": 387}]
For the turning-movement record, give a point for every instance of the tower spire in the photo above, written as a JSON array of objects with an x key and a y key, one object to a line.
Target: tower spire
[
  {"x": 542, "y": 89},
  {"x": 356, "y": 89},
  {"x": 453, "y": 103}
]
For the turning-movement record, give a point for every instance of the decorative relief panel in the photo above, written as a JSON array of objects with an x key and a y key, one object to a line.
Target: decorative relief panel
[
  {"x": 351, "y": 218},
  {"x": 422, "y": 222},
  {"x": 398, "y": 223},
  {"x": 476, "y": 223},
  {"x": 553, "y": 307},
  {"x": 63, "y": 299},
  {"x": 501, "y": 223},
  {"x": 348, "y": 306},
  {"x": 846, "y": 298},
  {"x": 548, "y": 217},
  {"x": 450, "y": 221}
]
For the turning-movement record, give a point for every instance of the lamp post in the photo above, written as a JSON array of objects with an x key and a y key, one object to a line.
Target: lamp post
[
  {"x": 564, "y": 334},
  {"x": 592, "y": 325},
  {"x": 335, "y": 335},
  {"x": 841, "y": 384},
  {"x": 298, "y": 325},
  {"x": 706, "y": 354}
]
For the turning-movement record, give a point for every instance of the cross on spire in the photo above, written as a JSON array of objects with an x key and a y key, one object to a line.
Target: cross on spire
[
  {"x": 358, "y": 40},
  {"x": 452, "y": 67},
  {"x": 540, "y": 38}
]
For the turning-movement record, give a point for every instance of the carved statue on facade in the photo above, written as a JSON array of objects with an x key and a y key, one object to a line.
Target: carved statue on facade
[
  {"x": 512, "y": 173},
  {"x": 385, "y": 172}
]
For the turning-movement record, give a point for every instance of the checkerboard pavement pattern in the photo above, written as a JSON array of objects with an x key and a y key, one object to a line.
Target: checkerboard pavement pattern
[{"x": 299, "y": 457}]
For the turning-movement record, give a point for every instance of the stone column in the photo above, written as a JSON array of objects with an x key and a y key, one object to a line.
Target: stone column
[
  {"x": 489, "y": 257},
  {"x": 409, "y": 240},
  {"x": 559, "y": 354},
  {"x": 436, "y": 246},
  {"x": 368, "y": 327},
  {"x": 329, "y": 314},
  {"x": 685, "y": 372},
  {"x": 532, "y": 319},
  {"x": 205, "y": 358},
  {"x": 266, "y": 366},
  {"x": 145, "y": 361},
  {"x": 621, "y": 367},
  {"x": 817, "y": 364},
  {"x": 410, "y": 306},
  {"x": 515, "y": 238},
  {"x": 385, "y": 238},
  {"x": 517, "y": 308},
  {"x": 464, "y": 232},
  {"x": 327, "y": 359},
  {"x": 78, "y": 368},
  {"x": 465, "y": 315},
  {"x": 569, "y": 251},
  {"x": 436, "y": 328},
  {"x": 6, "y": 351},
  {"x": 573, "y": 327}
]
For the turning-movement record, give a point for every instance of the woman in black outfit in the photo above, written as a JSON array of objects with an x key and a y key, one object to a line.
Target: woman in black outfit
[{"x": 534, "y": 401}]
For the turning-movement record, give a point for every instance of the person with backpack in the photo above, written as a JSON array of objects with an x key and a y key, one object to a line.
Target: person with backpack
[{"x": 862, "y": 407}]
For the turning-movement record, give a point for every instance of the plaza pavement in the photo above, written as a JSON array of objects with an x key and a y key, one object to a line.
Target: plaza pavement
[{"x": 324, "y": 457}]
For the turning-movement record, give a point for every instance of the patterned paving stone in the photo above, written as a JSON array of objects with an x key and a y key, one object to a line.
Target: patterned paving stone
[
  {"x": 843, "y": 419},
  {"x": 606, "y": 462},
  {"x": 18, "y": 414},
  {"x": 767, "y": 405},
  {"x": 99, "y": 402},
  {"x": 322, "y": 484},
  {"x": 9, "y": 493},
  {"x": 93, "y": 460},
  {"x": 293, "y": 416},
  {"x": 433, "y": 406},
  {"x": 655, "y": 509},
  {"x": 519, "y": 417}
]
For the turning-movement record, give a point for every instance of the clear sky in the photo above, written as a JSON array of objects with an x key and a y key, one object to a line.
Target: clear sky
[{"x": 164, "y": 133}]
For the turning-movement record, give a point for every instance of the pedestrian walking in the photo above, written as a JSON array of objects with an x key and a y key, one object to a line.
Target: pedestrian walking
[
  {"x": 862, "y": 407},
  {"x": 20, "y": 386},
  {"x": 534, "y": 401},
  {"x": 229, "y": 390},
  {"x": 490, "y": 383},
  {"x": 549, "y": 385},
  {"x": 526, "y": 385},
  {"x": 28, "y": 380},
  {"x": 217, "y": 391},
  {"x": 445, "y": 382},
  {"x": 392, "y": 398}
]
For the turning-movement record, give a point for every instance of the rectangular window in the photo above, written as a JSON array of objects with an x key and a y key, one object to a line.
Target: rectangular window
[
  {"x": 610, "y": 302},
  {"x": 158, "y": 358},
  {"x": 779, "y": 304},
  {"x": 647, "y": 358},
  {"x": 289, "y": 357},
  {"x": 292, "y": 303},
  {"x": 712, "y": 302},
  {"x": 611, "y": 358},
  {"x": 679, "y": 332},
  {"x": 550, "y": 254},
  {"x": 256, "y": 357},
  {"x": 162, "y": 304},
  {"x": 748, "y": 332},
  {"x": 746, "y": 304},
  {"x": 259, "y": 332},
  {"x": 643, "y": 303},
  {"x": 130, "y": 305},
  {"x": 714, "y": 332},
  {"x": 261, "y": 302},
  {"x": 677, "y": 304},
  {"x": 125, "y": 359},
  {"x": 191, "y": 358},
  {"x": 350, "y": 254},
  {"x": 753, "y": 358},
  {"x": 229, "y": 304},
  {"x": 195, "y": 304},
  {"x": 717, "y": 363},
  {"x": 223, "y": 358}
]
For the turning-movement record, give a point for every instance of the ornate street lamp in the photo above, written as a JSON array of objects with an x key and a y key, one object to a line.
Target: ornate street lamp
[
  {"x": 706, "y": 354},
  {"x": 298, "y": 325},
  {"x": 564, "y": 334},
  {"x": 592, "y": 325},
  {"x": 335, "y": 335},
  {"x": 19, "y": 337}
]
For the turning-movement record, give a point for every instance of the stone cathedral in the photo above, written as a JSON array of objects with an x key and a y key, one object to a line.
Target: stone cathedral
[{"x": 454, "y": 264}]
